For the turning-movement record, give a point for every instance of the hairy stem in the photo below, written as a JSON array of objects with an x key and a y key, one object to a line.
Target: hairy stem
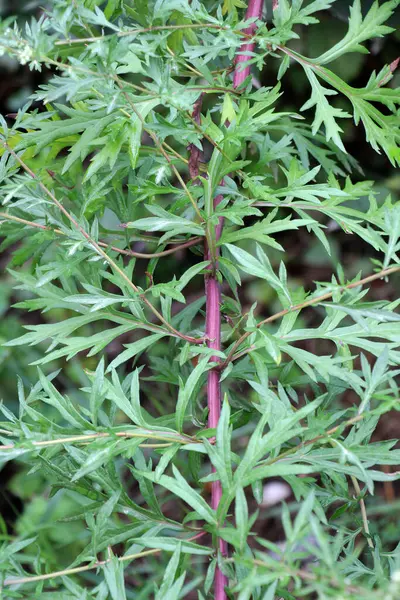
[{"x": 213, "y": 296}]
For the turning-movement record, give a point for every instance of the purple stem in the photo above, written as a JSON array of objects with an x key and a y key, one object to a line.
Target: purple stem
[
  {"x": 213, "y": 313},
  {"x": 213, "y": 334},
  {"x": 254, "y": 9}
]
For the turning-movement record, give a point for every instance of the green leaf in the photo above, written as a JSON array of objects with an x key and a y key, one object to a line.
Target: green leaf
[
  {"x": 379, "y": 315},
  {"x": 134, "y": 141},
  {"x": 375, "y": 377},
  {"x": 170, "y": 589},
  {"x": 188, "y": 389},
  {"x": 14, "y": 548},
  {"x": 179, "y": 486},
  {"x": 276, "y": 470},
  {"x": 220, "y": 454},
  {"x": 262, "y": 268},
  {"x": 325, "y": 113},
  {"x": 165, "y": 221},
  {"x": 133, "y": 349},
  {"x": 172, "y": 544},
  {"x": 130, "y": 64},
  {"x": 114, "y": 576},
  {"x": 231, "y": 5},
  {"x": 190, "y": 273},
  {"x": 96, "y": 458},
  {"x": 271, "y": 346},
  {"x": 63, "y": 405},
  {"x": 260, "y": 231},
  {"x": 228, "y": 109},
  {"x": 117, "y": 395},
  {"x": 241, "y": 517},
  {"x": 361, "y": 29}
]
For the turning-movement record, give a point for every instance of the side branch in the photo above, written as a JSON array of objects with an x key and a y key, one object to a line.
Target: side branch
[
  {"x": 317, "y": 300},
  {"x": 90, "y": 567},
  {"x": 145, "y": 255},
  {"x": 85, "y": 438},
  {"x": 98, "y": 249}
]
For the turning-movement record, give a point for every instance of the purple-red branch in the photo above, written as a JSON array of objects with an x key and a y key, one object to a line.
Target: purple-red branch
[{"x": 213, "y": 312}]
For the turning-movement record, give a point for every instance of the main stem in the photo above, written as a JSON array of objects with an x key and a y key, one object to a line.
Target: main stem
[{"x": 213, "y": 313}]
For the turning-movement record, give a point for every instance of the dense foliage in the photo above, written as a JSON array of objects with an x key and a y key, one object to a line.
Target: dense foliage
[{"x": 142, "y": 145}]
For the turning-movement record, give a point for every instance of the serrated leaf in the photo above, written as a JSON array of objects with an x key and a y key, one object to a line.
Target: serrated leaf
[
  {"x": 361, "y": 29},
  {"x": 325, "y": 113}
]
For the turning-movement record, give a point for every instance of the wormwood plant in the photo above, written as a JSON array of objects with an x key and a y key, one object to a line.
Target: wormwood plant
[{"x": 150, "y": 142}]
